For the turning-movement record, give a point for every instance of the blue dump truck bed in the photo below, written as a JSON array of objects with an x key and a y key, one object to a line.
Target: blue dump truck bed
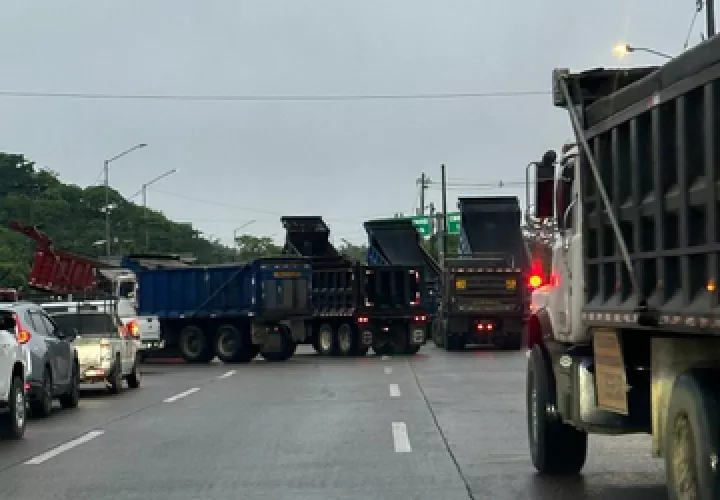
[{"x": 265, "y": 287}]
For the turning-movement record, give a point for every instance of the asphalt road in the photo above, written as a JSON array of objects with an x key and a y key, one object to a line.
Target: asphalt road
[{"x": 447, "y": 426}]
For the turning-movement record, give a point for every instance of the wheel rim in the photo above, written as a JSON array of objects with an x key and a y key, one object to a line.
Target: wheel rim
[
  {"x": 19, "y": 409},
  {"x": 325, "y": 340},
  {"x": 193, "y": 343},
  {"x": 683, "y": 459},
  {"x": 227, "y": 344},
  {"x": 345, "y": 339}
]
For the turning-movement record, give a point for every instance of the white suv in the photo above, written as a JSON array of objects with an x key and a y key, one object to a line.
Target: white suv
[{"x": 12, "y": 377}]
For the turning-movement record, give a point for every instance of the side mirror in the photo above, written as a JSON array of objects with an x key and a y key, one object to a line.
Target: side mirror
[{"x": 545, "y": 185}]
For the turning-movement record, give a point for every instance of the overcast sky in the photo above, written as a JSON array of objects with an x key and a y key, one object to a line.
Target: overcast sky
[{"x": 346, "y": 161}]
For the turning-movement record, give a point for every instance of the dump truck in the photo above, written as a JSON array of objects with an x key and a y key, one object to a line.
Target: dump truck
[
  {"x": 232, "y": 311},
  {"x": 356, "y": 306},
  {"x": 397, "y": 242},
  {"x": 485, "y": 294},
  {"x": 626, "y": 338}
]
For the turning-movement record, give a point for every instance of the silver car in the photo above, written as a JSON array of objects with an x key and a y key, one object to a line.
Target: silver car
[{"x": 52, "y": 364}]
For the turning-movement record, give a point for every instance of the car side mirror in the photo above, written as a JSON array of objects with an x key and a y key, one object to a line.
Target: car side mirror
[{"x": 545, "y": 185}]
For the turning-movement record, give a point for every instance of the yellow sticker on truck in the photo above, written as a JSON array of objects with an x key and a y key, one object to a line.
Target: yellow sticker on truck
[
  {"x": 510, "y": 284},
  {"x": 460, "y": 284},
  {"x": 286, "y": 274}
]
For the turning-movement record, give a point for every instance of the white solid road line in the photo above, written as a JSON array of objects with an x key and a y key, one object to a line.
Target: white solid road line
[
  {"x": 174, "y": 398},
  {"x": 228, "y": 374},
  {"x": 400, "y": 437},
  {"x": 44, "y": 457},
  {"x": 395, "y": 391},
  {"x": 388, "y": 370}
]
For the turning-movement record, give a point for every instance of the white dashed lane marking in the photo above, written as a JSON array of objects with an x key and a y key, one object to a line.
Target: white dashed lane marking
[
  {"x": 44, "y": 457},
  {"x": 174, "y": 398},
  {"x": 395, "y": 391},
  {"x": 400, "y": 437},
  {"x": 227, "y": 374},
  {"x": 388, "y": 370}
]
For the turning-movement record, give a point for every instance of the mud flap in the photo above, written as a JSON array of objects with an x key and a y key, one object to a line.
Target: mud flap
[
  {"x": 366, "y": 338},
  {"x": 417, "y": 335}
]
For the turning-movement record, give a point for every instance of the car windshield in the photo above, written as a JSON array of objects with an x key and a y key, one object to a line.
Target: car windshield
[{"x": 87, "y": 325}]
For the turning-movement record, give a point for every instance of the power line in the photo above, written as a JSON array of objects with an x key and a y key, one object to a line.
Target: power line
[
  {"x": 182, "y": 97},
  {"x": 257, "y": 210}
]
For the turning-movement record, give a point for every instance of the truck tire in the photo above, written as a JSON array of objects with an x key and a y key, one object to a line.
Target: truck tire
[
  {"x": 326, "y": 340},
  {"x": 116, "y": 378},
  {"x": 346, "y": 339},
  {"x": 453, "y": 342},
  {"x": 556, "y": 448},
  {"x": 437, "y": 334},
  {"x": 692, "y": 438},
  {"x": 233, "y": 346},
  {"x": 289, "y": 346},
  {"x": 513, "y": 341},
  {"x": 194, "y": 346}
]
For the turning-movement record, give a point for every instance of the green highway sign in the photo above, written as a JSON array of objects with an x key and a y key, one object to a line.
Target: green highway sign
[
  {"x": 424, "y": 224},
  {"x": 453, "y": 223}
]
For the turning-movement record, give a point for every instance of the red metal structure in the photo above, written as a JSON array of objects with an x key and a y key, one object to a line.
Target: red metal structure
[{"x": 58, "y": 271}]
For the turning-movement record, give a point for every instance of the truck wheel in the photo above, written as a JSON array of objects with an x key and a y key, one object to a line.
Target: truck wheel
[
  {"x": 193, "y": 344},
  {"x": 12, "y": 423},
  {"x": 555, "y": 447},
  {"x": 692, "y": 439},
  {"x": 513, "y": 341},
  {"x": 346, "y": 339},
  {"x": 289, "y": 346},
  {"x": 228, "y": 343},
  {"x": 326, "y": 340},
  {"x": 437, "y": 334},
  {"x": 116, "y": 379},
  {"x": 134, "y": 378},
  {"x": 453, "y": 342}
]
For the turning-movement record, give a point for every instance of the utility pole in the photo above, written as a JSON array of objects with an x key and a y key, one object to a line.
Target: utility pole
[
  {"x": 710, "y": 13},
  {"x": 443, "y": 218},
  {"x": 106, "y": 168},
  {"x": 424, "y": 182}
]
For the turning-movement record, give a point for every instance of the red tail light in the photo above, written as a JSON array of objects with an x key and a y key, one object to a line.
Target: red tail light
[
  {"x": 22, "y": 335},
  {"x": 535, "y": 281},
  {"x": 363, "y": 319},
  {"x": 420, "y": 318},
  {"x": 133, "y": 329},
  {"x": 485, "y": 326}
]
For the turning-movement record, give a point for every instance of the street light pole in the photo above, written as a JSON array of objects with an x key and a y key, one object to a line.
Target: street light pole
[
  {"x": 143, "y": 190},
  {"x": 106, "y": 172}
]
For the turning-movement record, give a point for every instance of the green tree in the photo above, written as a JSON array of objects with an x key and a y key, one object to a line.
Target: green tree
[
  {"x": 73, "y": 217},
  {"x": 251, "y": 247},
  {"x": 354, "y": 252}
]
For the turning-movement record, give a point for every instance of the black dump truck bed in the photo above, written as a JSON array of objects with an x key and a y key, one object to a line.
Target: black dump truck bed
[
  {"x": 342, "y": 286},
  {"x": 491, "y": 229},
  {"x": 397, "y": 242},
  {"x": 653, "y": 135}
]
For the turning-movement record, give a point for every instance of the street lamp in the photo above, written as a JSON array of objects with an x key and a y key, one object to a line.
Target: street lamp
[
  {"x": 235, "y": 231},
  {"x": 143, "y": 190},
  {"x": 623, "y": 49},
  {"x": 106, "y": 169}
]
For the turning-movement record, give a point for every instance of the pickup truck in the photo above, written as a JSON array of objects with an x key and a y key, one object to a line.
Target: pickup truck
[{"x": 107, "y": 353}]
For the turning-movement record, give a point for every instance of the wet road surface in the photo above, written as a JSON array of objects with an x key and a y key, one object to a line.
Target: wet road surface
[{"x": 439, "y": 425}]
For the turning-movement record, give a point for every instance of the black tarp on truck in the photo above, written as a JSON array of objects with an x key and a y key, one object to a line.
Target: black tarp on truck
[
  {"x": 356, "y": 306},
  {"x": 484, "y": 295}
]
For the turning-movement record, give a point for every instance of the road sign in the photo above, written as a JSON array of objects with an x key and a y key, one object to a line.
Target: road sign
[
  {"x": 453, "y": 223},
  {"x": 423, "y": 224}
]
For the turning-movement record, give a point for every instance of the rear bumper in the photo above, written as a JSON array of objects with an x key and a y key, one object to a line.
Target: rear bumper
[{"x": 502, "y": 325}]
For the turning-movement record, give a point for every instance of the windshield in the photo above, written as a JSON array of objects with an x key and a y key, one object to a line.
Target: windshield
[
  {"x": 87, "y": 325},
  {"x": 126, "y": 289}
]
